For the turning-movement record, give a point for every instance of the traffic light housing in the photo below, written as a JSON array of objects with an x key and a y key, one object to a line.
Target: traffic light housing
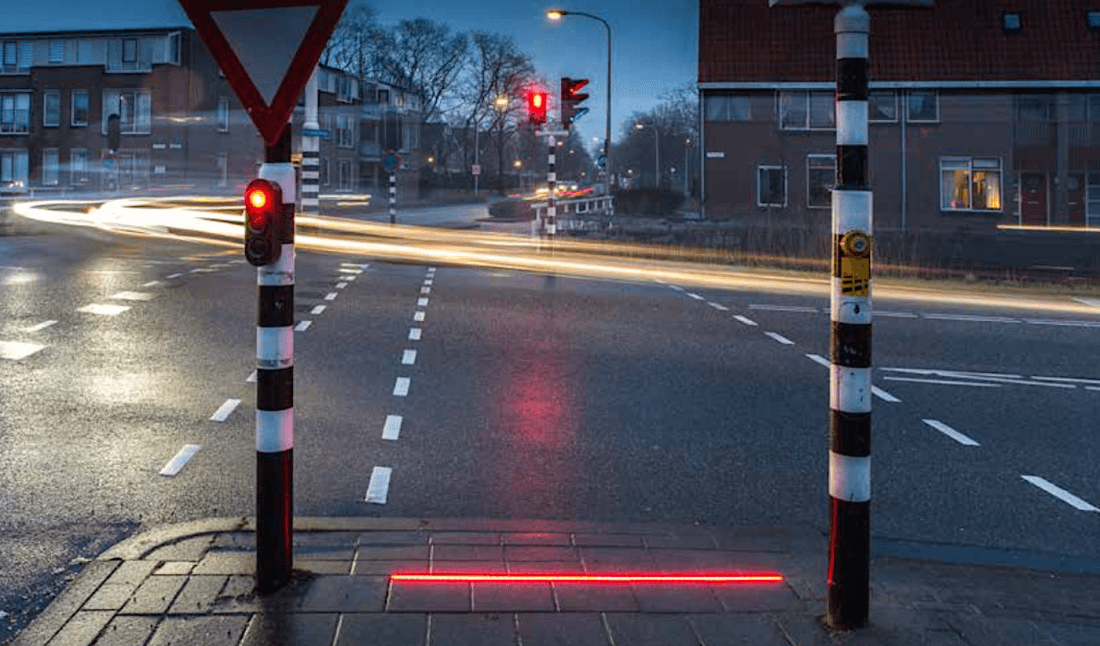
[
  {"x": 263, "y": 216},
  {"x": 571, "y": 98},
  {"x": 536, "y": 107}
]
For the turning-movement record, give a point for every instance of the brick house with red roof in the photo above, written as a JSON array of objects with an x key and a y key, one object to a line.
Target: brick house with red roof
[{"x": 982, "y": 112}]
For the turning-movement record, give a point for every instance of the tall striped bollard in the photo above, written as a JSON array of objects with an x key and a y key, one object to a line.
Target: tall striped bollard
[
  {"x": 275, "y": 388},
  {"x": 393, "y": 198},
  {"x": 850, "y": 347},
  {"x": 551, "y": 180}
]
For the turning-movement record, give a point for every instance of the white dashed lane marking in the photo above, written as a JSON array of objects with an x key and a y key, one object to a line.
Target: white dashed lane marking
[
  {"x": 883, "y": 395},
  {"x": 1069, "y": 379},
  {"x": 331, "y": 296},
  {"x": 347, "y": 270},
  {"x": 341, "y": 285},
  {"x": 302, "y": 326},
  {"x": 896, "y": 315},
  {"x": 401, "y": 387},
  {"x": 425, "y": 290},
  {"x": 17, "y": 351},
  {"x": 317, "y": 310},
  {"x": 225, "y": 410},
  {"x": 720, "y": 308},
  {"x": 414, "y": 334},
  {"x": 134, "y": 296},
  {"x": 408, "y": 357},
  {"x": 695, "y": 296},
  {"x": 103, "y": 309},
  {"x": 1063, "y": 323},
  {"x": 421, "y": 302},
  {"x": 950, "y": 432},
  {"x": 177, "y": 463},
  {"x": 418, "y": 316},
  {"x": 427, "y": 281},
  {"x": 45, "y": 324},
  {"x": 817, "y": 358},
  {"x": 379, "y": 487},
  {"x": 972, "y": 319},
  {"x": 780, "y": 338},
  {"x": 784, "y": 308},
  {"x": 1060, "y": 493},
  {"x": 943, "y": 382},
  {"x": 170, "y": 276},
  {"x": 349, "y": 278},
  {"x": 392, "y": 428},
  {"x": 152, "y": 283},
  {"x": 251, "y": 378},
  {"x": 744, "y": 320}
]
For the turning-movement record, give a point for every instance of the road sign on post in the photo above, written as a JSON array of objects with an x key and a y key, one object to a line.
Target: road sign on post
[
  {"x": 267, "y": 50},
  {"x": 391, "y": 161}
]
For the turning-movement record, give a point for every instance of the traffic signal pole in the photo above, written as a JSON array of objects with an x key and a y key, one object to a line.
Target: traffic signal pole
[
  {"x": 311, "y": 155},
  {"x": 393, "y": 198},
  {"x": 275, "y": 386},
  {"x": 551, "y": 180}
]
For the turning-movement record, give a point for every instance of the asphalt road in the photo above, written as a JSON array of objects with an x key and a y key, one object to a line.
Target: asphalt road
[{"x": 522, "y": 397}]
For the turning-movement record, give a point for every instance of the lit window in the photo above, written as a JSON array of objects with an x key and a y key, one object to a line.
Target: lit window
[
  {"x": 968, "y": 184},
  {"x": 771, "y": 186}
]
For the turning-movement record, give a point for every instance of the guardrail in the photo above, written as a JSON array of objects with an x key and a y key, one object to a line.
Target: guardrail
[{"x": 598, "y": 204}]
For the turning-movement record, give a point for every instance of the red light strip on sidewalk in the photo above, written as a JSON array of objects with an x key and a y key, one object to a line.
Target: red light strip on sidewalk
[{"x": 590, "y": 578}]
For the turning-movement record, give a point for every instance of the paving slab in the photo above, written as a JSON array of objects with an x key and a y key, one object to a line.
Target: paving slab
[
  {"x": 573, "y": 629},
  {"x": 389, "y": 629},
  {"x": 472, "y": 630}
]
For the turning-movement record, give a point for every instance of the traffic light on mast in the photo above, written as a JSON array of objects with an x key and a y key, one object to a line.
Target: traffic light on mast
[
  {"x": 571, "y": 99},
  {"x": 536, "y": 107},
  {"x": 263, "y": 211}
]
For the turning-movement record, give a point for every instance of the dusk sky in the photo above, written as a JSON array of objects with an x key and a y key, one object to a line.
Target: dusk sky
[{"x": 654, "y": 42}]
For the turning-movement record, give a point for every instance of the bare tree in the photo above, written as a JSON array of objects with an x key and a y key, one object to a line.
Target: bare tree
[
  {"x": 676, "y": 119},
  {"x": 353, "y": 46},
  {"x": 423, "y": 56}
]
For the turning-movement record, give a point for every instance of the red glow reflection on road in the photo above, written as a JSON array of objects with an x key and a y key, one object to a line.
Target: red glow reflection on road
[{"x": 591, "y": 578}]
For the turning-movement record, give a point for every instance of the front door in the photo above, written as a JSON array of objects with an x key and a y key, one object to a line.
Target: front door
[
  {"x": 1075, "y": 198},
  {"x": 1033, "y": 198}
]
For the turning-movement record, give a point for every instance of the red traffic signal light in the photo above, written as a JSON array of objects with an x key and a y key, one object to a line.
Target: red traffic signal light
[
  {"x": 571, "y": 99},
  {"x": 263, "y": 204},
  {"x": 536, "y": 107}
]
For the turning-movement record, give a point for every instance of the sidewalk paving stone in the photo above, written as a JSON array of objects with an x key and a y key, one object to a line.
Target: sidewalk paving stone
[
  {"x": 541, "y": 553},
  {"x": 226, "y": 563},
  {"x": 292, "y": 629},
  {"x": 389, "y": 629},
  {"x": 198, "y": 594},
  {"x": 345, "y": 594},
  {"x": 393, "y": 538},
  {"x": 678, "y": 597},
  {"x": 467, "y": 553},
  {"x": 573, "y": 629},
  {"x": 737, "y": 630},
  {"x": 651, "y": 630},
  {"x": 110, "y": 596},
  {"x": 199, "y": 631},
  {"x": 127, "y": 631},
  {"x": 190, "y": 549},
  {"x": 414, "y": 596},
  {"x": 472, "y": 630},
  {"x": 537, "y": 538},
  {"x": 512, "y": 597},
  {"x": 465, "y": 538},
  {"x": 383, "y": 568},
  {"x": 154, "y": 595},
  {"x": 583, "y": 597},
  {"x": 82, "y": 627}
]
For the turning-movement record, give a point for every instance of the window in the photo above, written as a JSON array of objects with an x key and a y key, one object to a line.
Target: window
[
  {"x": 882, "y": 106},
  {"x": 133, "y": 108},
  {"x": 347, "y": 89},
  {"x": 726, "y": 107},
  {"x": 129, "y": 50},
  {"x": 57, "y": 51},
  {"x": 15, "y": 113},
  {"x": 223, "y": 169},
  {"x": 78, "y": 166},
  {"x": 324, "y": 177},
  {"x": 923, "y": 106},
  {"x": 173, "y": 53},
  {"x": 1093, "y": 189},
  {"x": 345, "y": 176},
  {"x": 1032, "y": 108},
  {"x": 384, "y": 97},
  {"x": 1012, "y": 22},
  {"x": 409, "y": 137},
  {"x": 223, "y": 114},
  {"x": 820, "y": 178},
  {"x": 1092, "y": 19},
  {"x": 79, "y": 108},
  {"x": 13, "y": 169},
  {"x": 771, "y": 186},
  {"x": 345, "y": 133},
  {"x": 1094, "y": 108},
  {"x": 51, "y": 108},
  {"x": 10, "y": 60},
  {"x": 84, "y": 54},
  {"x": 49, "y": 167},
  {"x": 1076, "y": 108},
  {"x": 970, "y": 184},
  {"x": 803, "y": 110}
]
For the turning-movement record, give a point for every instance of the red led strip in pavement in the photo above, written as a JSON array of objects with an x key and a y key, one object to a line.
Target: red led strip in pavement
[{"x": 590, "y": 578}]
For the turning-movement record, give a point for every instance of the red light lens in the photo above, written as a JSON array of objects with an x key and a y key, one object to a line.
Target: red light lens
[
  {"x": 537, "y": 100},
  {"x": 257, "y": 219},
  {"x": 257, "y": 199}
]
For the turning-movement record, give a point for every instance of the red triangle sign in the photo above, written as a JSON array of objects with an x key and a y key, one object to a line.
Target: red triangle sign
[{"x": 267, "y": 49}]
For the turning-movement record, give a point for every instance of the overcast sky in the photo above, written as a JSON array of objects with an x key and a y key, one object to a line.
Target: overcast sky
[{"x": 654, "y": 42}]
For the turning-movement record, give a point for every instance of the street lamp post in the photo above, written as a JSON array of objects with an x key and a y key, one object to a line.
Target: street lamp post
[
  {"x": 557, "y": 14},
  {"x": 656, "y": 149}
]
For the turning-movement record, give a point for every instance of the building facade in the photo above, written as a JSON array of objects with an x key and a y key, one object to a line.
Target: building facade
[{"x": 980, "y": 113}]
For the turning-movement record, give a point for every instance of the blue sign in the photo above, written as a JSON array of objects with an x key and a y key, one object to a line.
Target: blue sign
[
  {"x": 390, "y": 161},
  {"x": 601, "y": 161},
  {"x": 321, "y": 133},
  {"x": 109, "y": 164}
]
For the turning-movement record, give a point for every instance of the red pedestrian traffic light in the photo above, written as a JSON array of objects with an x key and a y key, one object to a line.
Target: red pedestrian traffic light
[{"x": 536, "y": 107}]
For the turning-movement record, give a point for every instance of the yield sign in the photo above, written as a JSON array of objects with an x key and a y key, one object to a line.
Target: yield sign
[{"x": 267, "y": 49}]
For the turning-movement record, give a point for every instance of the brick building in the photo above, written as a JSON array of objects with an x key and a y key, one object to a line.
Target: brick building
[{"x": 982, "y": 112}]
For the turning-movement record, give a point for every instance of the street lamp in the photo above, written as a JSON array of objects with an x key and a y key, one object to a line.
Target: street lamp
[
  {"x": 656, "y": 148},
  {"x": 558, "y": 14},
  {"x": 501, "y": 102}
]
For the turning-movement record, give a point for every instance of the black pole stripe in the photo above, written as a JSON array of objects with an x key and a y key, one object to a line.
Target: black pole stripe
[
  {"x": 280, "y": 152},
  {"x": 276, "y": 306},
  {"x": 275, "y": 389},
  {"x": 849, "y": 560},
  {"x": 851, "y": 79},
  {"x": 850, "y": 433},
  {"x": 285, "y": 232},
  {"x": 274, "y": 518},
  {"x": 851, "y": 167},
  {"x": 851, "y": 345},
  {"x": 311, "y": 154}
]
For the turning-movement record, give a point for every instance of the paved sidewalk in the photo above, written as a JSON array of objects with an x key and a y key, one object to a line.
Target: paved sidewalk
[{"x": 192, "y": 584}]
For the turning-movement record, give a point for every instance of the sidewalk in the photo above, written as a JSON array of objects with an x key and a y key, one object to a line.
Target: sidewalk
[{"x": 192, "y": 584}]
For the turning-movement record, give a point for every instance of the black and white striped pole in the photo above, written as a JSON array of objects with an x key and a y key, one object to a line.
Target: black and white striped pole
[
  {"x": 551, "y": 181},
  {"x": 311, "y": 155},
  {"x": 393, "y": 198},
  {"x": 269, "y": 244}
]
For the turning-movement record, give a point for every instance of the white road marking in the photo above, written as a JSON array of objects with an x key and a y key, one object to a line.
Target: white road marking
[
  {"x": 318, "y": 309},
  {"x": 349, "y": 278},
  {"x": 817, "y": 358},
  {"x": 418, "y": 316},
  {"x": 17, "y": 351},
  {"x": 347, "y": 270},
  {"x": 972, "y": 319},
  {"x": 238, "y": 261},
  {"x": 784, "y": 308},
  {"x": 427, "y": 281},
  {"x": 331, "y": 296},
  {"x": 883, "y": 395},
  {"x": 414, "y": 334},
  {"x": 695, "y": 296},
  {"x": 173, "y": 275},
  {"x": 658, "y": 280},
  {"x": 104, "y": 310},
  {"x": 1088, "y": 301},
  {"x": 134, "y": 296},
  {"x": 950, "y": 432},
  {"x": 897, "y": 315},
  {"x": 745, "y": 320},
  {"x": 1070, "y": 379},
  {"x": 341, "y": 285},
  {"x": 408, "y": 357},
  {"x": 45, "y": 324},
  {"x": 720, "y": 308},
  {"x": 943, "y": 382},
  {"x": 1060, "y": 493},
  {"x": 425, "y": 290},
  {"x": 354, "y": 265},
  {"x": 1064, "y": 323},
  {"x": 379, "y": 486},
  {"x": 954, "y": 373},
  {"x": 677, "y": 288},
  {"x": 392, "y": 428},
  {"x": 302, "y": 326},
  {"x": 431, "y": 268},
  {"x": 202, "y": 270},
  {"x": 251, "y": 378},
  {"x": 401, "y": 387},
  {"x": 225, "y": 410},
  {"x": 152, "y": 283},
  {"x": 177, "y": 463},
  {"x": 779, "y": 337},
  {"x": 421, "y": 302}
]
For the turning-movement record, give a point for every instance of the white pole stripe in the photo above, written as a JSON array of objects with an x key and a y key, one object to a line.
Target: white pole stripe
[
  {"x": 852, "y": 44},
  {"x": 274, "y": 347},
  {"x": 850, "y": 389},
  {"x": 851, "y": 123},
  {"x": 310, "y": 174},
  {"x": 852, "y": 210},
  {"x": 281, "y": 273},
  {"x": 274, "y": 430},
  {"x": 379, "y": 486},
  {"x": 849, "y": 477}
]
